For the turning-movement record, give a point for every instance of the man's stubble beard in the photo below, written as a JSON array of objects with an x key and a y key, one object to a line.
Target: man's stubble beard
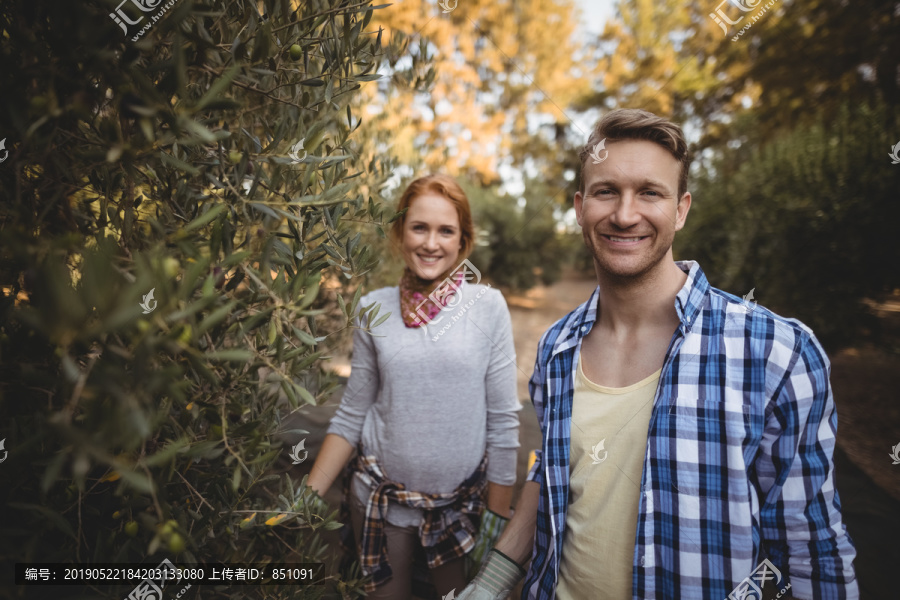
[{"x": 630, "y": 277}]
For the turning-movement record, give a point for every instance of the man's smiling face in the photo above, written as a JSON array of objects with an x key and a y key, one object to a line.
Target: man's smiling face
[{"x": 629, "y": 211}]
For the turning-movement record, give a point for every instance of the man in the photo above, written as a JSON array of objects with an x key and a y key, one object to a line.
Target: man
[{"x": 687, "y": 435}]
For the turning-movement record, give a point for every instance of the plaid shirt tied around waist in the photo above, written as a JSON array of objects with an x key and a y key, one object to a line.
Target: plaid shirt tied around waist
[
  {"x": 738, "y": 460},
  {"x": 449, "y": 528}
]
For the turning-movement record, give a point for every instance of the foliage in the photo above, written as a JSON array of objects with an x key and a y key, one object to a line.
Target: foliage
[
  {"x": 797, "y": 61},
  {"x": 504, "y": 70},
  {"x": 808, "y": 220},
  {"x": 163, "y": 165},
  {"x": 805, "y": 61},
  {"x": 518, "y": 243}
]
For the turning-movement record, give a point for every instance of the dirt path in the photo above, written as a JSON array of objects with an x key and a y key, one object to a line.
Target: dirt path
[{"x": 533, "y": 312}]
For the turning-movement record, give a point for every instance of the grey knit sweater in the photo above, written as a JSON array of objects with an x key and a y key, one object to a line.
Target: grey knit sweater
[{"x": 428, "y": 401}]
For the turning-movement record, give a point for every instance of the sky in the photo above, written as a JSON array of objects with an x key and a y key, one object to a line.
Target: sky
[{"x": 595, "y": 12}]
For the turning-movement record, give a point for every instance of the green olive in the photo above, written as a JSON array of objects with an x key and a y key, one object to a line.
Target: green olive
[
  {"x": 296, "y": 52},
  {"x": 131, "y": 528},
  {"x": 171, "y": 267},
  {"x": 176, "y": 543}
]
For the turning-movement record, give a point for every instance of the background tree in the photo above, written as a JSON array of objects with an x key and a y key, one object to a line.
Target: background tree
[
  {"x": 503, "y": 69},
  {"x": 518, "y": 243},
  {"x": 809, "y": 220}
]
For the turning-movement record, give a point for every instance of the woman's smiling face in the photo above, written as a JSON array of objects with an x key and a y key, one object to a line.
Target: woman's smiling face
[{"x": 432, "y": 237}]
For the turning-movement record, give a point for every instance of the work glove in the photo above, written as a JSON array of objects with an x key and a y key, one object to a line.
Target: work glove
[
  {"x": 492, "y": 526},
  {"x": 498, "y": 576}
]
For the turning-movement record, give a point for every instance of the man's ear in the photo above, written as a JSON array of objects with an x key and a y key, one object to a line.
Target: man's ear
[
  {"x": 579, "y": 198},
  {"x": 681, "y": 210}
]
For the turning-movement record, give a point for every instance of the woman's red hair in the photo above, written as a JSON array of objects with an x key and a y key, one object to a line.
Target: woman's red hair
[{"x": 442, "y": 185}]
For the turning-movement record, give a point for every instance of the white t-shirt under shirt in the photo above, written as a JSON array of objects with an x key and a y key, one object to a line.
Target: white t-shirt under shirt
[{"x": 608, "y": 442}]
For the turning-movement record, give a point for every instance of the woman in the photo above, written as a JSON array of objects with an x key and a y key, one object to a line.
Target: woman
[{"x": 434, "y": 417}]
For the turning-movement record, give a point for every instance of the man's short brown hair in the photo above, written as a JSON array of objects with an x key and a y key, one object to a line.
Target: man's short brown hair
[{"x": 635, "y": 124}]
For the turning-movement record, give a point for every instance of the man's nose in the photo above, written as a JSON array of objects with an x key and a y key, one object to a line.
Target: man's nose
[{"x": 625, "y": 214}]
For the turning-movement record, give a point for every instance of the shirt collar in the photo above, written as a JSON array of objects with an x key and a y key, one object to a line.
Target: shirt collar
[
  {"x": 693, "y": 295},
  {"x": 689, "y": 301}
]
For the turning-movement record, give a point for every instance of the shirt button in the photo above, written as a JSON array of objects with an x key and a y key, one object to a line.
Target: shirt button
[{"x": 642, "y": 561}]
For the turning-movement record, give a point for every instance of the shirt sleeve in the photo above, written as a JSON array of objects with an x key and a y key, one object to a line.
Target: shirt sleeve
[
  {"x": 536, "y": 391},
  {"x": 800, "y": 509},
  {"x": 361, "y": 391},
  {"x": 503, "y": 405}
]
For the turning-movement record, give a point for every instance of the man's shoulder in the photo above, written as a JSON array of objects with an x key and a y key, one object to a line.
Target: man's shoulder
[
  {"x": 743, "y": 316},
  {"x": 562, "y": 328}
]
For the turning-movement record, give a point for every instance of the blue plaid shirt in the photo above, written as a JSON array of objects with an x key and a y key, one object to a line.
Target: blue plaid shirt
[{"x": 738, "y": 456}]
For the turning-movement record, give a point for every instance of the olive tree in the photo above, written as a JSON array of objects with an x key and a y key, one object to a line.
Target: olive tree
[{"x": 183, "y": 200}]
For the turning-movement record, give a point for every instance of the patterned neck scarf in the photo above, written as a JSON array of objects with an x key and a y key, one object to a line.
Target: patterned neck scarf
[{"x": 422, "y": 299}]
